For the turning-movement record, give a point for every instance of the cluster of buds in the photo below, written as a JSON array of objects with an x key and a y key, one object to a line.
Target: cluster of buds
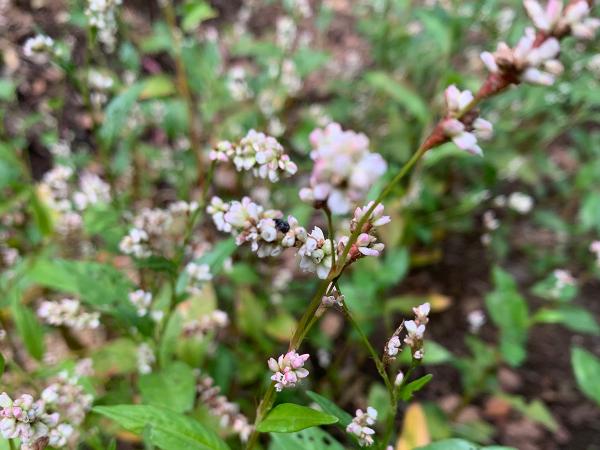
[
  {"x": 464, "y": 129},
  {"x": 268, "y": 234},
  {"x": 344, "y": 169},
  {"x": 265, "y": 230},
  {"x": 145, "y": 358},
  {"x": 101, "y": 16},
  {"x": 100, "y": 84},
  {"x": 595, "y": 249},
  {"x": 66, "y": 395},
  {"x": 316, "y": 254},
  {"x": 158, "y": 231},
  {"x": 366, "y": 243},
  {"x": 334, "y": 298},
  {"x": 141, "y": 300},
  {"x": 55, "y": 188},
  {"x": 68, "y": 312},
  {"x": 207, "y": 323},
  {"x": 219, "y": 406},
  {"x": 288, "y": 369},
  {"x": 257, "y": 152},
  {"x": 533, "y": 60},
  {"x": 39, "y": 48},
  {"x": 562, "y": 279},
  {"x": 361, "y": 425},
  {"x": 28, "y": 421},
  {"x": 415, "y": 330},
  {"x": 198, "y": 274},
  {"x": 92, "y": 190}
]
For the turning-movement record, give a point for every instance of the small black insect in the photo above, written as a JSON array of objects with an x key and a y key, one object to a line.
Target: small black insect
[{"x": 282, "y": 225}]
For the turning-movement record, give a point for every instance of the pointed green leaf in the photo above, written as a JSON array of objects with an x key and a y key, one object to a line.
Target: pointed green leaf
[
  {"x": 331, "y": 408},
  {"x": 587, "y": 372},
  {"x": 165, "y": 428},
  {"x": 409, "y": 389},
  {"x": 289, "y": 417}
]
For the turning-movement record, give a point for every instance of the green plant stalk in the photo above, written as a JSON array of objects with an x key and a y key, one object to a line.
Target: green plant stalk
[
  {"x": 378, "y": 362},
  {"x": 389, "y": 427},
  {"x": 307, "y": 319}
]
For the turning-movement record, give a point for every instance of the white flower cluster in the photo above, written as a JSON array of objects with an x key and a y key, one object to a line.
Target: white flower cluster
[
  {"x": 562, "y": 280},
  {"x": 316, "y": 254},
  {"x": 28, "y": 421},
  {"x": 228, "y": 412},
  {"x": 68, "y": 397},
  {"x": 198, "y": 274},
  {"x": 344, "y": 169},
  {"x": 265, "y": 230},
  {"x": 533, "y": 60},
  {"x": 158, "y": 231},
  {"x": 100, "y": 84},
  {"x": 595, "y": 249},
  {"x": 92, "y": 190},
  {"x": 68, "y": 312},
  {"x": 361, "y": 426},
  {"x": 257, "y": 152},
  {"x": 39, "y": 48},
  {"x": 237, "y": 84},
  {"x": 268, "y": 234},
  {"x": 334, "y": 298},
  {"x": 145, "y": 358},
  {"x": 57, "y": 192},
  {"x": 415, "y": 330},
  {"x": 141, "y": 300},
  {"x": 288, "y": 369},
  {"x": 464, "y": 131},
  {"x": 206, "y": 323},
  {"x": 558, "y": 20},
  {"x": 101, "y": 15}
]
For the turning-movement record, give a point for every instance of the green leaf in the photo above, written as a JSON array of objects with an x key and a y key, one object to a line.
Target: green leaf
[
  {"x": 409, "y": 389},
  {"x": 173, "y": 387},
  {"x": 289, "y": 417},
  {"x": 460, "y": 444},
  {"x": 164, "y": 428},
  {"x": 309, "y": 439},
  {"x": 117, "y": 112},
  {"x": 331, "y": 408},
  {"x": 508, "y": 310},
  {"x": 401, "y": 93},
  {"x": 2, "y": 364},
  {"x": 169, "y": 338},
  {"x": 7, "y": 89},
  {"x": 586, "y": 367},
  {"x": 535, "y": 410},
  {"x": 157, "y": 86},
  {"x": 589, "y": 214},
  {"x": 96, "y": 283},
  {"x": 29, "y": 329},
  {"x": 41, "y": 215},
  {"x": 196, "y": 12},
  {"x": 572, "y": 317},
  {"x": 551, "y": 289}
]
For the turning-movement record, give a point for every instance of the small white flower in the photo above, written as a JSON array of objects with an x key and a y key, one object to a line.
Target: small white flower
[{"x": 520, "y": 202}]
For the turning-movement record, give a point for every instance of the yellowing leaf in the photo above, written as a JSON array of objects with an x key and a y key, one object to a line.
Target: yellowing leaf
[{"x": 414, "y": 430}]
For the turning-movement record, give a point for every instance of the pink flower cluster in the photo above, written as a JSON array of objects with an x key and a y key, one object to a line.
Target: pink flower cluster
[
  {"x": 28, "y": 421},
  {"x": 219, "y": 406},
  {"x": 288, "y": 369},
  {"x": 344, "y": 169},
  {"x": 361, "y": 426},
  {"x": 533, "y": 60},
  {"x": 265, "y": 230},
  {"x": 464, "y": 129},
  {"x": 415, "y": 329},
  {"x": 257, "y": 152}
]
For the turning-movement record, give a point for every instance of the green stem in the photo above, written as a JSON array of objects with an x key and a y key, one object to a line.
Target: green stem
[
  {"x": 378, "y": 362},
  {"x": 11, "y": 444},
  {"x": 405, "y": 170}
]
